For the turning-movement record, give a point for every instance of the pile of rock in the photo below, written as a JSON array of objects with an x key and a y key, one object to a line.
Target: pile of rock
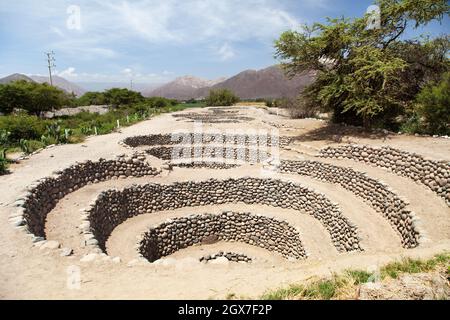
[
  {"x": 268, "y": 233},
  {"x": 113, "y": 207},
  {"x": 230, "y": 256},
  {"x": 42, "y": 196},
  {"x": 434, "y": 174},
  {"x": 375, "y": 193}
]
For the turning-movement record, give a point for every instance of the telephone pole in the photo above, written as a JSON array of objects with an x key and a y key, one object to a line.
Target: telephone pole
[{"x": 51, "y": 64}]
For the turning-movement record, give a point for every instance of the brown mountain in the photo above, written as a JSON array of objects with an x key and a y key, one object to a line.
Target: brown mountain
[
  {"x": 61, "y": 83},
  {"x": 182, "y": 88},
  {"x": 266, "y": 83},
  {"x": 15, "y": 77},
  {"x": 250, "y": 84}
]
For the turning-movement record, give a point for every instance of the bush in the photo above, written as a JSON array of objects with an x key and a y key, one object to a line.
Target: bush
[
  {"x": 23, "y": 127},
  {"x": 118, "y": 97},
  {"x": 3, "y": 162},
  {"x": 221, "y": 97},
  {"x": 433, "y": 107}
]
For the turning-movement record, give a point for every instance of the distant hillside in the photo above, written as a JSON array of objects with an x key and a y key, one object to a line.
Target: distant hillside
[
  {"x": 61, "y": 83},
  {"x": 182, "y": 88},
  {"x": 266, "y": 83},
  {"x": 250, "y": 84},
  {"x": 15, "y": 77}
]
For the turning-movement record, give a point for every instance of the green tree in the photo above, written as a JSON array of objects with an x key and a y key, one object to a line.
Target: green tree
[
  {"x": 367, "y": 74},
  {"x": 117, "y": 97},
  {"x": 433, "y": 107},
  {"x": 44, "y": 98},
  {"x": 13, "y": 95},
  {"x": 91, "y": 98},
  {"x": 221, "y": 97}
]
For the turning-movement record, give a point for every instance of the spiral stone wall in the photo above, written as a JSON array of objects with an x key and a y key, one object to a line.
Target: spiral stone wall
[
  {"x": 370, "y": 190},
  {"x": 114, "y": 207},
  {"x": 199, "y": 138},
  {"x": 43, "y": 197},
  {"x": 219, "y": 153},
  {"x": 268, "y": 233},
  {"x": 433, "y": 174}
]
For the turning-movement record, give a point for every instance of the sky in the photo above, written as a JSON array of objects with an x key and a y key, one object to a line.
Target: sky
[{"x": 154, "y": 41}]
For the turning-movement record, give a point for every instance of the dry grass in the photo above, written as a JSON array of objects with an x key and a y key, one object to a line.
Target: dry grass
[{"x": 345, "y": 286}]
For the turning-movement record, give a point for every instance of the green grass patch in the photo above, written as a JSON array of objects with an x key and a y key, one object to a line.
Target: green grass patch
[
  {"x": 411, "y": 266},
  {"x": 344, "y": 286}
]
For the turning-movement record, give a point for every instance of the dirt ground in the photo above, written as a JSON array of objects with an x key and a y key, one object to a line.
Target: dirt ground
[{"x": 28, "y": 271}]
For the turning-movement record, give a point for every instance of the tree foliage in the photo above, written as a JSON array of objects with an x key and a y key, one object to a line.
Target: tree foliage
[
  {"x": 221, "y": 97},
  {"x": 433, "y": 106},
  {"x": 33, "y": 97},
  {"x": 365, "y": 75},
  {"x": 118, "y": 97}
]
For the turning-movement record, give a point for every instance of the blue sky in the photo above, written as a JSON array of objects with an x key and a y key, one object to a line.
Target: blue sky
[{"x": 155, "y": 41}]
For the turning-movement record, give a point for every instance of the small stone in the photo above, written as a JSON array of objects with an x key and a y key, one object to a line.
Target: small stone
[
  {"x": 65, "y": 252},
  {"x": 89, "y": 257},
  {"x": 52, "y": 244}
]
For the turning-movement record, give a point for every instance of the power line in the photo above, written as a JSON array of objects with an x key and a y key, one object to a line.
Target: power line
[{"x": 51, "y": 64}]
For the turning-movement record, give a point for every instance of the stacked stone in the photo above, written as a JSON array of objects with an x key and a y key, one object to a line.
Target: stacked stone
[
  {"x": 230, "y": 256},
  {"x": 370, "y": 190},
  {"x": 199, "y": 138},
  {"x": 268, "y": 233},
  {"x": 219, "y": 153},
  {"x": 207, "y": 165},
  {"x": 433, "y": 174},
  {"x": 113, "y": 207},
  {"x": 43, "y": 197}
]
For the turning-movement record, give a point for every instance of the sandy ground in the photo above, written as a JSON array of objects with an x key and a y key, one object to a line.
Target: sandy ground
[{"x": 27, "y": 271}]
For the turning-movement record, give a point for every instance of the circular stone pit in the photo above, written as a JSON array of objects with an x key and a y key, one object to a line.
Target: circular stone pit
[{"x": 268, "y": 233}]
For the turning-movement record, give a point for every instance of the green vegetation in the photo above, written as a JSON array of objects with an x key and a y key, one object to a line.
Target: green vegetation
[
  {"x": 344, "y": 286},
  {"x": 35, "y": 98},
  {"x": 375, "y": 77},
  {"x": 28, "y": 132},
  {"x": 221, "y": 97}
]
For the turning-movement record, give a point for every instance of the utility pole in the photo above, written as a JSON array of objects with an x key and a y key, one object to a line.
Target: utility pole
[
  {"x": 51, "y": 64},
  {"x": 131, "y": 84}
]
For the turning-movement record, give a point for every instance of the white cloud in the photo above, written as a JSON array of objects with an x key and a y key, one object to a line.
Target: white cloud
[
  {"x": 68, "y": 73},
  {"x": 225, "y": 52}
]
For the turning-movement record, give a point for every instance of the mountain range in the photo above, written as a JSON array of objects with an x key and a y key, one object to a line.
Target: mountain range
[
  {"x": 270, "y": 82},
  {"x": 59, "y": 82}
]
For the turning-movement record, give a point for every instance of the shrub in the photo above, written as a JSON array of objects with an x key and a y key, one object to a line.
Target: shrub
[
  {"x": 23, "y": 127},
  {"x": 117, "y": 97},
  {"x": 221, "y": 97},
  {"x": 3, "y": 162},
  {"x": 433, "y": 107}
]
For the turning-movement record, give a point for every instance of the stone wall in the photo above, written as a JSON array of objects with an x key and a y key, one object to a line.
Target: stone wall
[
  {"x": 268, "y": 233},
  {"x": 199, "y": 138},
  {"x": 433, "y": 174},
  {"x": 251, "y": 155},
  {"x": 114, "y": 207},
  {"x": 370, "y": 190},
  {"x": 43, "y": 197},
  {"x": 230, "y": 256}
]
